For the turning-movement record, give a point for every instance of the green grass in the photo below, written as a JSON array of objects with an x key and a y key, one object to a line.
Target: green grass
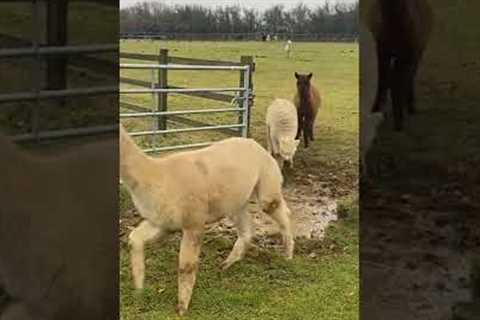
[{"x": 264, "y": 285}]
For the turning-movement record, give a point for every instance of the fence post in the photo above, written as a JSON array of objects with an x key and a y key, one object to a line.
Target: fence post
[
  {"x": 57, "y": 36},
  {"x": 246, "y": 60},
  {"x": 162, "y": 104},
  {"x": 39, "y": 67}
]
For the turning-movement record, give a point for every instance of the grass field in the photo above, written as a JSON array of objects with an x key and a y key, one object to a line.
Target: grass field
[{"x": 322, "y": 280}]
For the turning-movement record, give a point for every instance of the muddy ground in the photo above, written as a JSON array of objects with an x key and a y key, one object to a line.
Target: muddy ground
[
  {"x": 415, "y": 259},
  {"x": 420, "y": 229}
]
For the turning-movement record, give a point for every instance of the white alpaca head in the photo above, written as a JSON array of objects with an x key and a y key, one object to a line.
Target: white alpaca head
[{"x": 288, "y": 147}]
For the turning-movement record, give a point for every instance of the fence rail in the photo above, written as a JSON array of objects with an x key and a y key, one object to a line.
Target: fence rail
[
  {"x": 170, "y": 113},
  {"x": 326, "y": 37},
  {"x": 53, "y": 94},
  {"x": 44, "y": 51},
  {"x": 242, "y": 99},
  {"x": 182, "y": 90},
  {"x": 50, "y": 51},
  {"x": 164, "y": 63},
  {"x": 173, "y": 66}
]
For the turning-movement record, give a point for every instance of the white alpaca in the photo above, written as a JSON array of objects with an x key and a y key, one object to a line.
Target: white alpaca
[
  {"x": 288, "y": 48},
  {"x": 187, "y": 190},
  {"x": 282, "y": 127},
  {"x": 369, "y": 122}
]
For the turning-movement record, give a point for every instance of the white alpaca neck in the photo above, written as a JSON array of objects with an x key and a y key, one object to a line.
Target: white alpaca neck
[{"x": 132, "y": 161}]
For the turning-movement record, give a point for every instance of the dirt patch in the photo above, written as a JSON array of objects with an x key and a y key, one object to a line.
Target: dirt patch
[{"x": 416, "y": 253}]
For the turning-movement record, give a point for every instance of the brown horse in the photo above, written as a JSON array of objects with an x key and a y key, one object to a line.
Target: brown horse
[
  {"x": 401, "y": 29},
  {"x": 307, "y": 101}
]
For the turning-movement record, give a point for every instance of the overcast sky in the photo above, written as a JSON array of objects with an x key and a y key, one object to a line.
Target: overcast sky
[{"x": 259, "y": 4}]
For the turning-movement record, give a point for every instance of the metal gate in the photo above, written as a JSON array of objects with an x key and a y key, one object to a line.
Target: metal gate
[
  {"x": 242, "y": 101},
  {"x": 40, "y": 53}
]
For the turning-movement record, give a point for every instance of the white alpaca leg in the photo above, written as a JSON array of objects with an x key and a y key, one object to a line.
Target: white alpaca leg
[
  {"x": 243, "y": 223},
  {"x": 141, "y": 235},
  {"x": 188, "y": 267},
  {"x": 281, "y": 215},
  {"x": 269, "y": 141}
]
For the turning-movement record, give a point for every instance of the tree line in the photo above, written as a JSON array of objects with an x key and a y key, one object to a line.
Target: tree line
[{"x": 157, "y": 17}]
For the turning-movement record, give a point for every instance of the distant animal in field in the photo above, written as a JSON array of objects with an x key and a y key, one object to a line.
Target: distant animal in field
[
  {"x": 282, "y": 125},
  {"x": 401, "y": 29},
  {"x": 307, "y": 101},
  {"x": 288, "y": 48},
  {"x": 187, "y": 190}
]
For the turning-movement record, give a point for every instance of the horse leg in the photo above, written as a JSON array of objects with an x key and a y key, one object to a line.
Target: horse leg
[
  {"x": 383, "y": 78},
  {"x": 400, "y": 91},
  {"x": 312, "y": 122},
  {"x": 309, "y": 129},
  {"x": 412, "y": 108},
  {"x": 306, "y": 128},
  {"x": 300, "y": 125}
]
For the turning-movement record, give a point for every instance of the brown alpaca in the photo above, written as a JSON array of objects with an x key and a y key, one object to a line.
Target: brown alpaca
[
  {"x": 401, "y": 29},
  {"x": 307, "y": 101}
]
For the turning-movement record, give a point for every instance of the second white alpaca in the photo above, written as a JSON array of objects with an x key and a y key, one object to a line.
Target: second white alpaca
[{"x": 282, "y": 125}]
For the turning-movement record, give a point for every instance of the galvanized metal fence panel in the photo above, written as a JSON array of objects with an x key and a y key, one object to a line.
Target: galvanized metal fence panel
[
  {"x": 242, "y": 99},
  {"x": 39, "y": 52}
]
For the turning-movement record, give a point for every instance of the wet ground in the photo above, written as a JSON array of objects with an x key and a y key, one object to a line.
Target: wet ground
[
  {"x": 420, "y": 230},
  {"x": 415, "y": 256}
]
